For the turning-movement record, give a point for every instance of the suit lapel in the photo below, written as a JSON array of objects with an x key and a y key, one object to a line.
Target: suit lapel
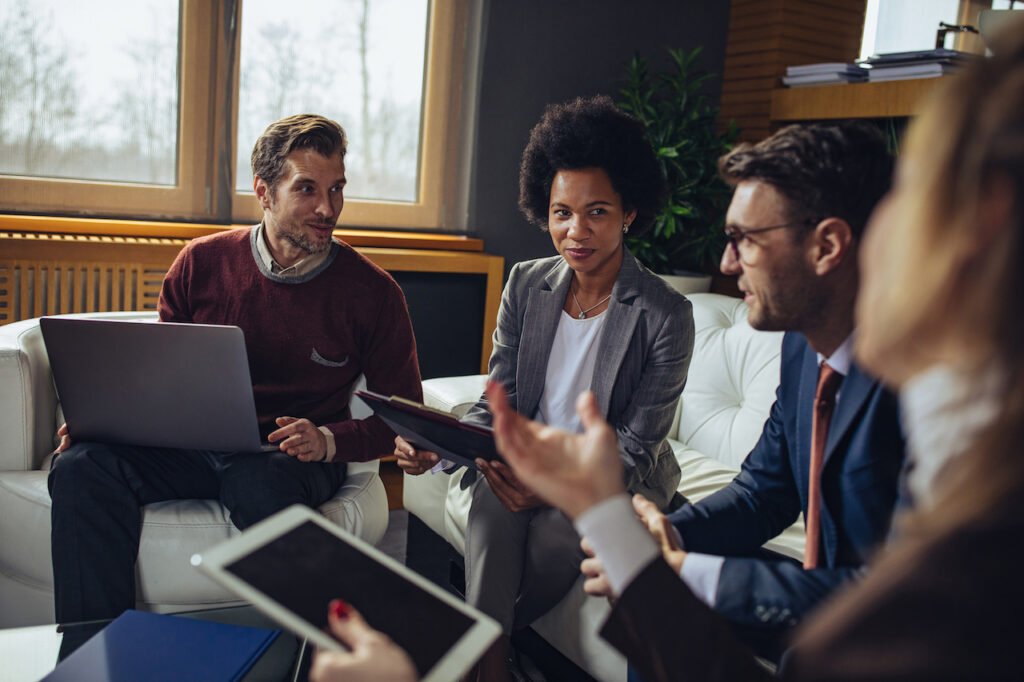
[
  {"x": 622, "y": 319},
  {"x": 540, "y": 321},
  {"x": 805, "y": 418},
  {"x": 853, "y": 392}
]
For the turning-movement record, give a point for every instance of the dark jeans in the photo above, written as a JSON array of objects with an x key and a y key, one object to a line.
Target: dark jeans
[{"x": 98, "y": 489}]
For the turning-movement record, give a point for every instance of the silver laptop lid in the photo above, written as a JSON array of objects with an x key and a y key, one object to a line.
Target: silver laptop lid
[{"x": 158, "y": 384}]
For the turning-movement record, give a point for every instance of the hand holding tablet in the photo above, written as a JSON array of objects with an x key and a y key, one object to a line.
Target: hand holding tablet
[
  {"x": 292, "y": 565},
  {"x": 433, "y": 430},
  {"x": 371, "y": 656}
]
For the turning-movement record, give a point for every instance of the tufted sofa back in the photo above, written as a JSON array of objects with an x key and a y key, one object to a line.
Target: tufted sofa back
[{"x": 731, "y": 383}]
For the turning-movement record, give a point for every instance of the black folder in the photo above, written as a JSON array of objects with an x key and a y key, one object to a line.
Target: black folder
[{"x": 434, "y": 430}]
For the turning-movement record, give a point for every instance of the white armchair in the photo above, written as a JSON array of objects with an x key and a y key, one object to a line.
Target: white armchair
[{"x": 171, "y": 531}]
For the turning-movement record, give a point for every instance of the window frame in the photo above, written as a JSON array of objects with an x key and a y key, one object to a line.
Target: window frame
[
  {"x": 208, "y": 61},
  {"x": 188, "y": 199}
]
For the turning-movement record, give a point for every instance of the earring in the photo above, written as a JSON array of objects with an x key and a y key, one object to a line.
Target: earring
[{"x": 625, "y": 228}]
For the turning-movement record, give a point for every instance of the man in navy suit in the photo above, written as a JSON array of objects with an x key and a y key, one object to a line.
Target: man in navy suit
[{"x": 802, "y": 198}]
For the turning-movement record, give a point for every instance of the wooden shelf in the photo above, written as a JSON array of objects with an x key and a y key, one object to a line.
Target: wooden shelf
[{"x": 852, "y": 100}]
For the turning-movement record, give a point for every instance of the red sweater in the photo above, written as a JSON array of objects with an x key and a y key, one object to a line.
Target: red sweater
[{"x": 309, "y": 338}]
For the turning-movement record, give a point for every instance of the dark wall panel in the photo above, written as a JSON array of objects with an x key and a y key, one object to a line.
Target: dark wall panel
[
  {"x": 540, "y": 51},
  {"x": 447, "y": 312}
]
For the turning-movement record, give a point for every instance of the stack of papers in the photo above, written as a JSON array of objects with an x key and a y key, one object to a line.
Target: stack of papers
[
  {"x": 918, "y": 64},
  {"x": 831, "y": 73}
]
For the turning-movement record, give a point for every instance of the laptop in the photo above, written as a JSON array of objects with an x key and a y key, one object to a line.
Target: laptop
[{"x": 157, "y": 384}]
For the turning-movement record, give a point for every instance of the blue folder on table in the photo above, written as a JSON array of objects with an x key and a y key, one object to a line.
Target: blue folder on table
[{"x": 147, "y": 646}]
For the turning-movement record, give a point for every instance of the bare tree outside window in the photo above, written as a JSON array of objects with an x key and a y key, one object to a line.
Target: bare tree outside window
[
  {"x": 360, "y": 62},
  {"x": 96, "y": 104}
]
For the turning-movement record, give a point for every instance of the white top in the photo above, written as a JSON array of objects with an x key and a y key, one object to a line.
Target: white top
[{"x": 570, "y": 370}]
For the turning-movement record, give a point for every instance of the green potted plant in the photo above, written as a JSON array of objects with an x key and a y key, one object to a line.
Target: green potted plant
[{"x": 687, "y": 237}]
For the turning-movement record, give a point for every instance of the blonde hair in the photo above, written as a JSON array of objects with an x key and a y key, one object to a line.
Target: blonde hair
[
  {"x": 969, "y": 138},
  {"x": 964, "y": 263}
]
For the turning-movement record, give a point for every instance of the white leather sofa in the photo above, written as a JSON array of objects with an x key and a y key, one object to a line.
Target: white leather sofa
[
  {"x": 171, "y": 531},
  {"x": 729, "y": 391}
]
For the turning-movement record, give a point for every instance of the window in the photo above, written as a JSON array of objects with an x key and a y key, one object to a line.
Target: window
[
  {"x": 905, "y": 25},
  {"x": 138, "y": 114}
]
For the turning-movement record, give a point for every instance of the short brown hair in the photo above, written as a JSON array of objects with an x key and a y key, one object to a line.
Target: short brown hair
[
  {"x": 301, "y": 131},
  {"x": 823, "y": 170}
]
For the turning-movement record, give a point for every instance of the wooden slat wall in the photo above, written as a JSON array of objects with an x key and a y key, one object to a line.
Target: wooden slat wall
[{"x": 766, "y": 36}]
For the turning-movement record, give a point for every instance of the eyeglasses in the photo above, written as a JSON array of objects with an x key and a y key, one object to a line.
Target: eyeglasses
[{"x": 737, "y": 237}]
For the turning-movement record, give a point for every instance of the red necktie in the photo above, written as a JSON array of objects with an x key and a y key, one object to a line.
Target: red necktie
[{"x": 824, "y": 403}]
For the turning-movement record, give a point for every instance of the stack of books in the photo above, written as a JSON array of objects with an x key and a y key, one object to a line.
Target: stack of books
[
  {"x": 832, "y": 73},
  {"x": 917, "y": 64}
]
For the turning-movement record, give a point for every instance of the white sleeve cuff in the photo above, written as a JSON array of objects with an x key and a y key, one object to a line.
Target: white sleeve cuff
[
  {"x": 624, "y": 546},
  {"x": 331, "y": 447},
  {"x": 701, "y": 572}
]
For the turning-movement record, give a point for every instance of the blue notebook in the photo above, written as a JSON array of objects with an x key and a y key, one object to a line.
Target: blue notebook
[{"x": 149, "y": 646}]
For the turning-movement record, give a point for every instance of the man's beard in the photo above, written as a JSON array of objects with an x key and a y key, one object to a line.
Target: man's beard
[{"x": 302, "y": 241}]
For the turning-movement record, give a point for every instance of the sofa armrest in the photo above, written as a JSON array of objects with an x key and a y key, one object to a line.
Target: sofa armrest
[
  {"x": 454, "y": 394},
  {"x": 28, "y": 401}
]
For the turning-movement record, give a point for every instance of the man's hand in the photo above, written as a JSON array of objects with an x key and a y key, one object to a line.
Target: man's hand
[
  {"x": 300, "y": 438},
  {"x": 596, "y": 584},
  {"x": 411, "y": 460},
  {"x": 509, "y": 490},
  {"x": 372, "y": 656},
  {"x": 571, "y": 472},
  {"x": 662, "y": 531},
  {"x": 65, "y": 438}
]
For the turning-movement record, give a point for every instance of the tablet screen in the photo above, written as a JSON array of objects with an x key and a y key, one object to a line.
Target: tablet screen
[{"x": 307, "y": 566}]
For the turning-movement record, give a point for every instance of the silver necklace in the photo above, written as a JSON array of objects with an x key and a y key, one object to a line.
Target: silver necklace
[{"x": 583, "y": 313}]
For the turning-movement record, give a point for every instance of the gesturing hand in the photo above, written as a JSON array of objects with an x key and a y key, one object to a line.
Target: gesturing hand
[
  {"x": 300, "y": 438},
  {"x": 372, "y": 657},
  {"x": 571, "y": 472}
]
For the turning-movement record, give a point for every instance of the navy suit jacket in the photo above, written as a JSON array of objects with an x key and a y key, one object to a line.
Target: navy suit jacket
[{"x": 860, "y": 487}]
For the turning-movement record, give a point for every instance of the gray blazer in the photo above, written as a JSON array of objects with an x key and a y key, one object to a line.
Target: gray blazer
[{"x": 643, "y": 357}]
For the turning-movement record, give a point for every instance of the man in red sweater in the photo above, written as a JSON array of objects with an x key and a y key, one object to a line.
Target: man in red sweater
[{"x": 316, "y": 316}]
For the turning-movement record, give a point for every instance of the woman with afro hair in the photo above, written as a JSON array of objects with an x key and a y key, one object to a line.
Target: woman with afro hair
[{"x": 590, "y": 318}]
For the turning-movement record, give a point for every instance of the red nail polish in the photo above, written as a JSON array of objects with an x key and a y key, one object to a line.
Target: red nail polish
[{"x": 338, "y": 609}]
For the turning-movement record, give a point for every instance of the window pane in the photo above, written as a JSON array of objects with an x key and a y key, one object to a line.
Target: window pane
[
  {"x": 904, "y": 25},
  {"x": 359, "y": 62},
  {"x": 89, "y": 90}
]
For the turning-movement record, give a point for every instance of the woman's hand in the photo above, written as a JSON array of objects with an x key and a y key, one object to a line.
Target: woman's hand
[
  {"x": 411, "y": 460},
  {"x": 509, "y": 490},
  {"x": 372, "y": 657}
]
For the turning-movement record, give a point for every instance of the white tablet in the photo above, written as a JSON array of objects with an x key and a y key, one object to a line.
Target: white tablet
[{"x": 291, "y": 565}]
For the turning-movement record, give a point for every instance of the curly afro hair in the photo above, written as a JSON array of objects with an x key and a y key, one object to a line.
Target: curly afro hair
[{"x": 592, "y": 133}]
